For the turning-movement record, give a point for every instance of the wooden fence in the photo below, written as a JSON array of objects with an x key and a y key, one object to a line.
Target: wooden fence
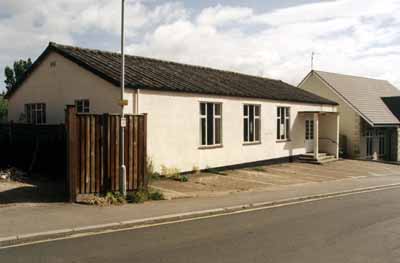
[
  {"x": 93, "y": 143},
  {"x": 34, "y": 148}
]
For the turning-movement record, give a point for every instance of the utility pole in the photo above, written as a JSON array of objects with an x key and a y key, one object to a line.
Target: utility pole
[{"x": 122, "y": 103}]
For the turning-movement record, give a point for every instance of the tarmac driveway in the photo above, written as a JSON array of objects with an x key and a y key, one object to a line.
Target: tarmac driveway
[{"x": 271, "y": 177}]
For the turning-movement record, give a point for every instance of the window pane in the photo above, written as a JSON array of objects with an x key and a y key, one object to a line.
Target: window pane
[
  {"x": 44, "y": 113},
  {"x": 87, "y": 106},
  {"x": 210, "y": 124},
  {"x": 278, "y": 129},
  {"x": 202, "y": 108},
  {"x": 218, "y": 109},
  {"x": 257, "y": 111},
  {"x": 203, "y": 131},
  {"x": 257, "y": 129},
  {"x": 251, "y": 123},
  {"x": 246, "y": 130},
  {"x": 39, "y": 117},
  {"x": 218, "y": 131},
  {"x": 246, "y": 110},
  {"x": 78, "y": 105},
  {"x": 34, "y": 115},
  {"x": 287, "y": 130}
]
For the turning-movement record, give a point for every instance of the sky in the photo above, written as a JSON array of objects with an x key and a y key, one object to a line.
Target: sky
[{"x": 273, "y": 38}]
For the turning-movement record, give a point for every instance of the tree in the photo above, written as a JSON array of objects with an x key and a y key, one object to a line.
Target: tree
[
  {"x": 14, "y": 75},
  {"x": 3, "y": 108}
]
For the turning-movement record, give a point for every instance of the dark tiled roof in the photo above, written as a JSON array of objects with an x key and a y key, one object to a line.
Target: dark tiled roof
[{"x": 146, "y": 73}]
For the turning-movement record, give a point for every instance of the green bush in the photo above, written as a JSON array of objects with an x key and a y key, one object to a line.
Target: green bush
[
  {"x": 156, "y": 195},
  {"x": 143, "y": 196},
  {"x": 181, "y": 178},
  {"x": 115, "y": 198},
  {"x": 137, "y": 197}
]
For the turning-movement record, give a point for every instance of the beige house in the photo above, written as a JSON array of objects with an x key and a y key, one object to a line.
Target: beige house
[
  {"x": 369, "y": 110},
  {"x": 198, "y": 117}
]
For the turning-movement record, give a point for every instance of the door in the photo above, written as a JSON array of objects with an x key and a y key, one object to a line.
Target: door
[
  {"x": 370, "y": 143},
  {"x": 382, "y": 144},
  {"x": 309, "y": 141}
]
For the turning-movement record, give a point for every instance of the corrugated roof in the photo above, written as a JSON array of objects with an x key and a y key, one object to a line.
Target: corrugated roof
[
  {"x": 365, "y": 95},
  {"x": 147, "y": 73}
]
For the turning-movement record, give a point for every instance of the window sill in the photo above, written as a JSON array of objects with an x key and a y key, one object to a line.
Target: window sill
[
  {"x": 209, "y": 147},
  {"x": 282, "y": 141},
  {"x": 251, "y": 143}
]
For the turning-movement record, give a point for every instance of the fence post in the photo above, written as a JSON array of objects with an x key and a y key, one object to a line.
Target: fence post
[
  {"x": 105, "y": 174},
  {"x": 146, "y": 172},
  {"x": 72, "y": 153}
]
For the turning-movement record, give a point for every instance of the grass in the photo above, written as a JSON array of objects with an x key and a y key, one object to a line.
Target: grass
[{"x": 258, "y": 169}]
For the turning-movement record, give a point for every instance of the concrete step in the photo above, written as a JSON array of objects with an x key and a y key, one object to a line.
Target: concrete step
[
  {"x": 310, "y": 156},
  {"x": 322, "y": 158}
]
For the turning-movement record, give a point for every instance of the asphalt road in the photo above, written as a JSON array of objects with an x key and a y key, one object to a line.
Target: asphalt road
[{"x": 357, "y": 228}]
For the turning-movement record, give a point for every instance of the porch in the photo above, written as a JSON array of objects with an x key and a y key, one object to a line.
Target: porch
[{"x": 321, "y": 136}]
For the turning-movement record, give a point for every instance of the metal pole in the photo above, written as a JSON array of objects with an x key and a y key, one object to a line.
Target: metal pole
[
  {"x": 312, "y": 60},
  {"x": 122, "y": 136}
]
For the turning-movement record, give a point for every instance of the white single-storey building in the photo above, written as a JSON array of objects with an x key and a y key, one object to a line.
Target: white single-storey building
[
  {"x": 198, "y": 117},
  {"x": 369, "y": 110}
]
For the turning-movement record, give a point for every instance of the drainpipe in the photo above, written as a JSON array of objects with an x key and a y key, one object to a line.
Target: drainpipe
[
  {"x": 316, "y": 136},
  {"x": 136, "y": 100}
]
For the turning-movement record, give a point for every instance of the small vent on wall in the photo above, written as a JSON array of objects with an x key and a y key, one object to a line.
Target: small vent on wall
[{"x": 53, "y": 64}]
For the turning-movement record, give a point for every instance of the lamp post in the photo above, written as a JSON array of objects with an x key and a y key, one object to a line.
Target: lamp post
[{"x": 123, "y": 121}]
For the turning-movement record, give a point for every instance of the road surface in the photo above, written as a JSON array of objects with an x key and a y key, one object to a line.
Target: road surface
[{"x": 355, "y": 228}]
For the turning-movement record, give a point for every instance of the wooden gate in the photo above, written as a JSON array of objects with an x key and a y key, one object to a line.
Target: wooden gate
[{"x": 93, "y": 143}]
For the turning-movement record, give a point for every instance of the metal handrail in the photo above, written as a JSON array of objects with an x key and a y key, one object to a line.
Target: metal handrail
[{"x": 328, "y": 139}]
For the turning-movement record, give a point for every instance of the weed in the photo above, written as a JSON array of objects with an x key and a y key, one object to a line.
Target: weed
[
  {"x": 153, "y": 175},
  {"x": 196, "y": 170},
  {"x": 181, "y": 178},
  {"x": 156, "y": 195},
  {"x": 115, "y": 198},
  {"x": 258, "y": 169},
  {"x": 137, "y": 197},
  {"x": 142, "y": 196},
  {"x": 171, "y": 172}
]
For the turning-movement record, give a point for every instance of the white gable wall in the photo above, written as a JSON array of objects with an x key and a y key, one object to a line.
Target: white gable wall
[
  {"x": 174, "y": 130},
  {"x": 350, "y": 121},
  {"x": 61, "y": 85}
]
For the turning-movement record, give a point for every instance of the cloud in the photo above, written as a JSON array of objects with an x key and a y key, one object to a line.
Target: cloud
[
  {"x": 348, "y": 36},
  {"x": 354, "y": 37},
  {"x": 28, "y": 25}
]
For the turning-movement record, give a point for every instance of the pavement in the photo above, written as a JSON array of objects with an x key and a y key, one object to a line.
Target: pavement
[
  {"x": 20, "y": 225},
  {"x": 354, "y": 228}
]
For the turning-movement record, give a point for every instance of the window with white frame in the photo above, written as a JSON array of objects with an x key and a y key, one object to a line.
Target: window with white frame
[
  {"x": 251, "y": 123},
  {"x": 82, "y": 106},
  {"x": 210, "y": 124},
  {"x": 35, "y": 113},
  {"x": 283, "y": 123}
]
